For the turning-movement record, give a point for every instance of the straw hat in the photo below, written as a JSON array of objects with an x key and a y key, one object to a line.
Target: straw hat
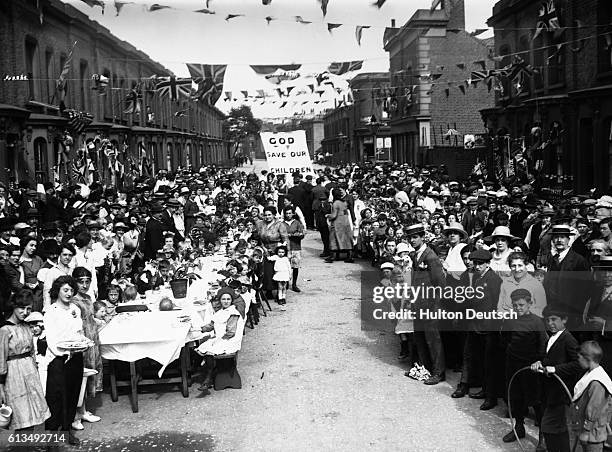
[
  {"x": 457, "y": 228},
  {"x": 501, "y": 231}
]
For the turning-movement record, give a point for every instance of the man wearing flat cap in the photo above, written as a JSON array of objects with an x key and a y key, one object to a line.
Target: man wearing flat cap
[
  {"x": 471, "y": 215},
  {"x": 480, "y": 337}
]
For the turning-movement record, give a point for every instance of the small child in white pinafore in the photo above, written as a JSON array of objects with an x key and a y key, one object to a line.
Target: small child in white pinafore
[{"x": 282, "y": 274}]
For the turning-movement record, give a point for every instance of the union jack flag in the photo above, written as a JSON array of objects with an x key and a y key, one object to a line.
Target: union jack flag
[
  {"x": 77, "y": 120},
  {"x": 174, "y": 87},
  {"x": 133, "y": 102},
  {"x": 547, "y": 18},
  {"x": 339, "y": 68},
  {"x": 209, "y": 78}
]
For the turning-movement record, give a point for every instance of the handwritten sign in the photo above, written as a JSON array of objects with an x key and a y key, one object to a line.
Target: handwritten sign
[{"x": 287, "y": 152}]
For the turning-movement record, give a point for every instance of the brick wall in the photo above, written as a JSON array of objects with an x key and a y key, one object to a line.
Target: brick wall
[{"x": 458, "y": 111}]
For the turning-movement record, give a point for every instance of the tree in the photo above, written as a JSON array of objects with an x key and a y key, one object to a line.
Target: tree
[{"x": 239, "y": 124}]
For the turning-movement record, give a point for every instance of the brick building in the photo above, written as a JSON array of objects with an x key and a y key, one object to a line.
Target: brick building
[
  {"x": 31, "y": 125},
  {"x": 430, "y": 57},
  {"x": 371, "y": 132},
  {"x": 563, "y": 113},
  {"x": 338, "y": 129}
]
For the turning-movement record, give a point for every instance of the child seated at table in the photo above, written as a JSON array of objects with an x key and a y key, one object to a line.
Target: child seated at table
[
  {"x": 130, "y": 294},
  {"x": 222, "y": 338}
]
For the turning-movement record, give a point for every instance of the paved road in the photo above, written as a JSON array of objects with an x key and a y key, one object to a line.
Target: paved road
[{"x": 312, "y": 381}]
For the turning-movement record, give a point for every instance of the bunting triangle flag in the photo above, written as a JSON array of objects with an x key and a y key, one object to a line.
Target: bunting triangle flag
[
  {"x": 119, "y": 5},
  {"x": 269, "y": 19},
  {"x": 205, "y": 11},
  {"x": 359, "y": 31},
  {"x": 271, "y": 68},
  {"x": 157, "y": 7},
  {"x": 330, "y": 26},
  {"x": 289, "y": 89},
  {"x": 245, "y": 93},
  {"x": 340, "y": 68},
  {"x": 311, "y": 88},
  {"x": 300, "y": 20},
  {"x": 461, "y": 65},
  {"x": 324, "y": 6},
  {"x": 210, "y": 78},
  {"x": 228, "y": 95},
  {"x": 280, "y": 92},
  {"x": 379, "y": 3},
  {"x": 232, "y": 16}
]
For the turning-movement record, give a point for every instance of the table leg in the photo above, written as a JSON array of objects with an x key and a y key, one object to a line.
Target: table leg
[
  {"x": 184, "y": 366},
  {"x": 113, "y": 380},
  {"x": 134, "y": 385}
]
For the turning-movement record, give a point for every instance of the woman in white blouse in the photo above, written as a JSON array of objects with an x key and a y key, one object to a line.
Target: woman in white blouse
[{"x": 65, "y": 371}]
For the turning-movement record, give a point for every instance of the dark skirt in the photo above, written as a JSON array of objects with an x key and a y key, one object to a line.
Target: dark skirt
[
  {"x": 268, "y": 274},
  {"x": 63, "y": 388}
]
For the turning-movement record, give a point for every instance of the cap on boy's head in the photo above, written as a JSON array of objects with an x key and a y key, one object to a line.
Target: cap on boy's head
[
  {"x": 552, "y": 310},
  {"x": 520, "y": 294},
  {"x": 387, "y": 266}
]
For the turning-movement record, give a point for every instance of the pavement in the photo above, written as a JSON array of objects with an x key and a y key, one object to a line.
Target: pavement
[{"x": 313, "y": 380}]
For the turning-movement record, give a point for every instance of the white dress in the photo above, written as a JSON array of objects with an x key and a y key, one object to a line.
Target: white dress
[{"x": 216, "y": 345}]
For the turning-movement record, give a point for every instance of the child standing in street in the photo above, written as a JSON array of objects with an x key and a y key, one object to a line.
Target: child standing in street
[
  {"x": 282, "y": 274},
  {"x": 527, "y": 340},
  {"x": 561, "y": 359},
  {"x": 589, "y": 414}
]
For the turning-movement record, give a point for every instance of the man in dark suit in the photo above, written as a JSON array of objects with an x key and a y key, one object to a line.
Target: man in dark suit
[
  {"x": 427, "y": 273},
  {"x": 599, "y": 319},
  {"x": 51, "y": 208},
  {"x": 167, "y": 219},
  {"x": 478, "y": 330},
  {"x": 561, "y": 359},
  {"x": 468, "y": 220},
  {"x": 154, "y": 233},
  {"x": 584, "y": 236},
  {"x": 190, "y": 210},
  {"x": 568, "y": 279}
]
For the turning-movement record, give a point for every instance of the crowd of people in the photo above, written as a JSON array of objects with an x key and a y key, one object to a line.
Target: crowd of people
[
  {"x": 547, "y": 261},
  {"x": 69, "y": 255}
]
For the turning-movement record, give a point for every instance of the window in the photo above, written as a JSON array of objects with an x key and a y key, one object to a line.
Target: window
[
  {"x": 556, "y": 63},
  {"x": 83, "y": 85},
  {"x": 604, "y": 42},
  {"x": 31, "y": 65},
  {"x": 505, "y": 51},
  {"x": 539, "y": 62},
  {"x": 526, "y": 56},
  {"x": 40, "y": 160},
  {"x": 169, "y": 156},
  {"x": 48, "y": 74},
  {"x": 108, "y": 98}
]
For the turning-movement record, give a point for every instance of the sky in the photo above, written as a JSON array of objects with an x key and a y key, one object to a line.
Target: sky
[{"x": 177, "y": 36}]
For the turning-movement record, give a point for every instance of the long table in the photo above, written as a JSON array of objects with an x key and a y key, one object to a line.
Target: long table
[{"x": 160, "y": 336}]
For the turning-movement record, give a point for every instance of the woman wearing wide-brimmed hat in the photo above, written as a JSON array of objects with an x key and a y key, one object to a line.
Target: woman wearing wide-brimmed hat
[
  {"x": 501, "y": 239},
  {"x": 456, "y": 236}
]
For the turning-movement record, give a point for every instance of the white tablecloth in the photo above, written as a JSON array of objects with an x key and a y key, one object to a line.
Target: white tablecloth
[{"x": 138, "y": 335}]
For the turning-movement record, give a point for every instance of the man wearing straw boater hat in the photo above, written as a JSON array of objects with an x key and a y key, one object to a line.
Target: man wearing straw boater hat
[
  {"x": 427, "y": 272},
  {"x": 568, "y": 279}
]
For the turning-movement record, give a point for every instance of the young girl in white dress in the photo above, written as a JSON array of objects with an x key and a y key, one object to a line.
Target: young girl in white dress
[{"x": 282, "y": 273}]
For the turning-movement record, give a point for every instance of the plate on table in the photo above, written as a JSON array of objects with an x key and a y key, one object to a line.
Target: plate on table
[{"x": 75, "y": 345}]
